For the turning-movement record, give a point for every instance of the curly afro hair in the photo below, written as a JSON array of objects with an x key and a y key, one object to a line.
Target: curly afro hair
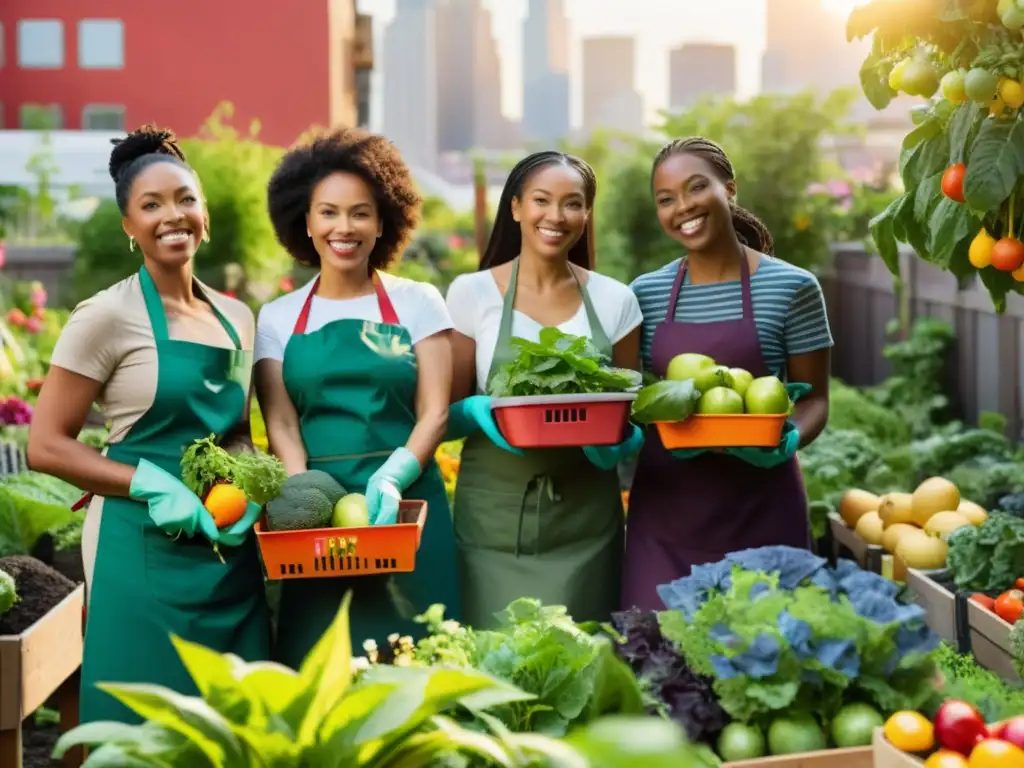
[{"x": 348, "y": 150}]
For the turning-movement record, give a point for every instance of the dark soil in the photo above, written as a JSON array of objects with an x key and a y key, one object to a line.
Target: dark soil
[
  {"x": 40, "y": 589},
  {"x": 37, "y": 744}
]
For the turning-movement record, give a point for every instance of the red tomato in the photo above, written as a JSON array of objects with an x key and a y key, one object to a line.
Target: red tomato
[
  {"x": 1010, "y": 606},
  {"x": 984, "y": 601},
  {"x": 953, "y": 182},
  {"x": 1008, "y": 254}
]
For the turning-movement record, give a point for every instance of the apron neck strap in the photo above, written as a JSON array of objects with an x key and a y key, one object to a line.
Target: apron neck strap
[
  {"x": 598, "y": 336},
  {"x": 158, "y": 316},
  {"x": 745, "y": 292},
  {"x": 388, "y": 315}
]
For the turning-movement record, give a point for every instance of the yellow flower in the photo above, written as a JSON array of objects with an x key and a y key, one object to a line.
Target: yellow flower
[{"x": 801, "y": 222}]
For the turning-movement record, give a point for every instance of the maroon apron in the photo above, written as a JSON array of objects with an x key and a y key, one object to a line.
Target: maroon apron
[{"x": 686, "y": 512}]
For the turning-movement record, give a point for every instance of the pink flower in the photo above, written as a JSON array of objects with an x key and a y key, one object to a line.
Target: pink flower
[
  {"x": 33, "y": 324},
  {"x": 15, "y": 411}
]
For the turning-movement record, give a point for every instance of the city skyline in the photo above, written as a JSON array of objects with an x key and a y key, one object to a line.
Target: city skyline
[{"x": 657, "y": 25}]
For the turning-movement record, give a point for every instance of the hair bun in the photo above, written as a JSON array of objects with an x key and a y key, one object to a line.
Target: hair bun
[{"x": 147, "y": 140}]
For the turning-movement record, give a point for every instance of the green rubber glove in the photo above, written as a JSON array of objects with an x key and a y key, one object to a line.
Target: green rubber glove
[
  {"x": 767, "y": 458},
  {"x": 236, "y": 534},
  {"x": 386, "y": 486},
  {"x": 607, "y": 457},
  {"x": 172, "y": 506},
  {"x": 472, "y": 414}
]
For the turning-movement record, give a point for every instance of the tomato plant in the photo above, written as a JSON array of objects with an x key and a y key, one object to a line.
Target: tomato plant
[{"x": 962, "y": 165}]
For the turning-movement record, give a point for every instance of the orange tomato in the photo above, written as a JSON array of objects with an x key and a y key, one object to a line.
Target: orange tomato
[
  {"x": 945, "y": 758},
  {"x": 226, "y": 504},
  {"x": 1010, "y": 606},
  {"x": 993, "y": 753},
  {"x": 910, "y": 731}
]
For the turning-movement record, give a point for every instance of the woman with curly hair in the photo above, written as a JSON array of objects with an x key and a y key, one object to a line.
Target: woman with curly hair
[
  {"x": 170, "y": 361},
  {"x": 353, "y": 373}
]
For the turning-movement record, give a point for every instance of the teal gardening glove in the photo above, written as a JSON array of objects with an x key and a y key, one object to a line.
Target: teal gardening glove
[
  {"x": 176, "y": 510},
  {"x": 474, "y": 413},
  {"x": 608, "y": 456},
  {"x": 386, "y": 485}
]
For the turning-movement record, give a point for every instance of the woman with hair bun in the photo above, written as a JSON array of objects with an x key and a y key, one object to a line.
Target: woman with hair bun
[
  {"x": 170, "y": 361},
  {"x": 353, "y": 374},
  {"x": 728, "y": 298},
  {"x": 544, "y": 523}
]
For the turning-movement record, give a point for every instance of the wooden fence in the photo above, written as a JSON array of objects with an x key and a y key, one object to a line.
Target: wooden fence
[{"x": 987, "y": 373}]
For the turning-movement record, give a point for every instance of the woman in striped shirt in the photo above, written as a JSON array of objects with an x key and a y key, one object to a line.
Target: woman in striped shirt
[{"x": 730, "y": 299}]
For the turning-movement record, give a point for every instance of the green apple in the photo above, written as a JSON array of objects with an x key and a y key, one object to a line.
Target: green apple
[
  {"x": 351, "y": 512},
  {"x": 741, "y": 379},
  {"x": 687, "y": 366},
  {"x": 720, "y": 400},
  {"x": 711, "y": 377},
  {"x": 767, "y": 395}
]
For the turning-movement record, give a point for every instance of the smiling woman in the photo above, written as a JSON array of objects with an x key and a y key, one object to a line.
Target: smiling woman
[{"x": 169, "y": 361}]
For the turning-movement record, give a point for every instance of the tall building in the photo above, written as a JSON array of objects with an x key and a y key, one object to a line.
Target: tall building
[
  {"x": 123, "y": 63},
  {"x": 546, "y": 86},
  {"x": 410, "y": 82},
  {"x": 468, "y": 79},
  {"x": 697, "y": 70},
  {"x": 610, "y": 97}
]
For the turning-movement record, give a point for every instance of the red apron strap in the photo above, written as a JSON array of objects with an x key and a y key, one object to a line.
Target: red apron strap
[
  {"x": 81, "y": 502},
  {"x": 303, "y": 319},
  {"x": 388, "y": 315}
]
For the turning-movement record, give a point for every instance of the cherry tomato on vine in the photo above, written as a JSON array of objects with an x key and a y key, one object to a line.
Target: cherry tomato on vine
[
  {"x": 1008, "y": 254},
  {"x": 953, "y": 182}
]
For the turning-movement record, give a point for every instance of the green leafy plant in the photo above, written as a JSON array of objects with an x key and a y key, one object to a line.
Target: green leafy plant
[
  {"x": 665, "y": 401},
  {"x": 259, "y": 475},
  {"x": 559, "y": 364}
]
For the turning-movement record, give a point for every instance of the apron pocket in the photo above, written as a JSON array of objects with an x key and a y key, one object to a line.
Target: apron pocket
[{"x": 187, "y": 573}]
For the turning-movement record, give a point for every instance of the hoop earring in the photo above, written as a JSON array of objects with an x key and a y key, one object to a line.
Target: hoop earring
[{"x": 131, "y": 243}]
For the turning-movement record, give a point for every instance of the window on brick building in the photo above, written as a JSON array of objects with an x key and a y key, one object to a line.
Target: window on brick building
[
  {"x": 103, "y": 117},
  {"x": 41, "y": 117},
  {"x": 101, "y": 44},
  {"x": 40, "y": 44}
]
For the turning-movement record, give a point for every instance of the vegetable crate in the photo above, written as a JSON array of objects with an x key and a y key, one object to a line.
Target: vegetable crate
[
  {"x": 846, "y": 543},
  {"x": 888, "y": 756},
  {"x": 855, "y": 757},
  {"x": 562, "y": 421},
  {"x": 319, "y": 553},
  {"x": 722, "y": 430},
  {"x": 40, "y": 662}
]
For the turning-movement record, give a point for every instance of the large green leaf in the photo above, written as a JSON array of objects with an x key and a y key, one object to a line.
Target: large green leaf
[
  {"x": 996, "y": 164},
  {"x": 324, "y": 677},
  {"x": 624, "y": 742},
  {"x": 874, "y": 79},
  {"x": 926, "y": 158},
  {"x": 192, "y": 717},
  {"x": 277, "y": 685},
  {"x": 212, "y": 673},
  {"x": 998, "y": 284},
  {"x": 148, "y": 744},
  {"x": 882, "y": 233},
  {"x": 951, "y": 224},
  {"x": 341, "y": 735},
  {"x": 961, "y": 128}
]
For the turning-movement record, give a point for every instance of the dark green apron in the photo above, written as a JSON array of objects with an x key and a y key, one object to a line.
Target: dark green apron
[
  {"x": 146, "y": 584},
  {"x": 547, "y": 524},
  {"x": 353, "y": 383}
]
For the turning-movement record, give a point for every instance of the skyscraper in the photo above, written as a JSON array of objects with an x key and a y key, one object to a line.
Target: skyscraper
[
  {"x": 410, "y": 82},
  {"x": 546, "y": 86},
  {"x": 610, "y": 97},
  {"x": 697, "y": 70}
]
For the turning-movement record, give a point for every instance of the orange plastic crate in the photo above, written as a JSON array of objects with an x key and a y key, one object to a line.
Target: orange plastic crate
[
  {"x": 320, "y": 553},
  {"x": 726, "y": 430},
  {"x": 560, "y": 421}
]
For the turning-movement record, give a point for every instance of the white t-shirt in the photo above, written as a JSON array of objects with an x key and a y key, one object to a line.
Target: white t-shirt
[
  {"x": 475, "y": 301},
  {"x": 419, "y": 306}
]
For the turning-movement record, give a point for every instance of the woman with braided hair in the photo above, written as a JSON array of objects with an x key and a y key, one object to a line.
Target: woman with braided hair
[
  {"x": 731, "y": 299},
  {"x": 170, "y": 361}
]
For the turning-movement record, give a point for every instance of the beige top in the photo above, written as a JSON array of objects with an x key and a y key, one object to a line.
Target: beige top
[{"x": 108, "y": 338}]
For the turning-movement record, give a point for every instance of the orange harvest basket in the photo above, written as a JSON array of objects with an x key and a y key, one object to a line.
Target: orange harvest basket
[
  {"x": 726, "y": 430},
  {"x": 561, "y": 421},
  {"x": 320, "y": 553}
]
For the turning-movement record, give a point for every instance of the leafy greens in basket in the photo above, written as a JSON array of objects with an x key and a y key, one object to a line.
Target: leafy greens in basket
[{"x": 559, "y": 364}]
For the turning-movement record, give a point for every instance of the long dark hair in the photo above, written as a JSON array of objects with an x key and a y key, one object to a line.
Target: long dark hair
[
  {"x": 506, "y": 238},
  {"x": 750, "y": 230}
]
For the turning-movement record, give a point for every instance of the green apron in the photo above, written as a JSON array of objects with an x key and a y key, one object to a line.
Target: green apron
[
  {"x": 547, "y": 524},
  {"x": 353, "y": 384},
  {"x": 146, "y": 584}
]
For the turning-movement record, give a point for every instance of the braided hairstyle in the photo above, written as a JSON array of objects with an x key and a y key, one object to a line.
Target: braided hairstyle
[
  {"x": 750, "y": 230},
  {"x": 506, "y": 238},
  {"x": 138, "y": 150}
]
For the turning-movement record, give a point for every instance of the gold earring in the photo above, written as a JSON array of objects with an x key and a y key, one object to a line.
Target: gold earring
[{"x": 131, "y": 243}]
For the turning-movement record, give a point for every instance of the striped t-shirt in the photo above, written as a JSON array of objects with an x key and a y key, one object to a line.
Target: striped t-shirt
[{"x": 789, "y": 308}]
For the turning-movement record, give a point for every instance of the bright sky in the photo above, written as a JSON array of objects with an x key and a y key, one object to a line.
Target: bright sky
[{"x": 658, "y": 25}]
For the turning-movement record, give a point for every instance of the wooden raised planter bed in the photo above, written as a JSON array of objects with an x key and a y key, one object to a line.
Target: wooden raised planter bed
[
  {"x": 990, "y": 641},
  {"x": 858, "y": 757},
  {"x": 42, "y": 661},
  {"x": 938, "y": 601},
  {"x": 847, "y": 544},
  {"x": 887, "y": 756}
]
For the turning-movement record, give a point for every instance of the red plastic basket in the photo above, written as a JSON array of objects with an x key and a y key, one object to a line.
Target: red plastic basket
[
  {"x": 319, "y": 553},
  {"x": 560, "y": 421}
]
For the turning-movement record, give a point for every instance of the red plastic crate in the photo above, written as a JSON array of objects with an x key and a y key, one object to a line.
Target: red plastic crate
[
  {"x": 319, "y": 553},
  {"x": 560, "y": 421}
]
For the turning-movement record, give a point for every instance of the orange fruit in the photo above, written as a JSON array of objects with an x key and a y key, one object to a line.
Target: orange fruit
[
  {"x": 910, "y": 731},
  {"x": 226, "y": 504},
  {"x": 945, "y": 758},
  {"x": 994, "y": 753}
]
